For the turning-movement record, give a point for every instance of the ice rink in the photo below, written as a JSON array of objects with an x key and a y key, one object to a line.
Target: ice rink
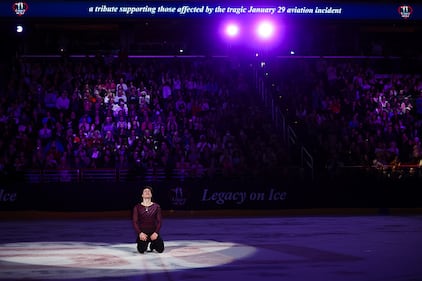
[{"x": 324, "y": 247}]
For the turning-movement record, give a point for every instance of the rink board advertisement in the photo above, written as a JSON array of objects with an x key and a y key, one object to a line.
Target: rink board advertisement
[
  {"x": 191, "y": 195},
  {"x": 208, "y": 195}
]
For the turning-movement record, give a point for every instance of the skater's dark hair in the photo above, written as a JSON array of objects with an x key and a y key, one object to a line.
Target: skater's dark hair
[{"x": 147, "y": 187}]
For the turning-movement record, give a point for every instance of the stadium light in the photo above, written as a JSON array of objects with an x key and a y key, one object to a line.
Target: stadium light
[
  {"x": 265, "y": 30},
  {"x": 232, "y": 30}
]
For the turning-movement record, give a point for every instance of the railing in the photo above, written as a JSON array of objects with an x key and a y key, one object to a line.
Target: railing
[
  {"x": 399, "y": 171},
  {"x": 299, "y": 155},
  {"x": 393, "y": 172},
  {"x": 109, "y": 175},
  {"x": 307, "y": 163}
]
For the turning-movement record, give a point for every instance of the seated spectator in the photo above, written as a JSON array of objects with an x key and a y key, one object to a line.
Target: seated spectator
[
  {"x": 45, "y": 133},
  {"x": 121, "y": 86},
  {"x": 120, "y": 108},
  {"x": 120, "y": 96},
  {"x": 108, "y": 126},
  {"x": 50, "y": 98},
  {"x": 63, "y": 102},
  {"x": 109, "y": 98},
  {"x": 49, "y": 120}
]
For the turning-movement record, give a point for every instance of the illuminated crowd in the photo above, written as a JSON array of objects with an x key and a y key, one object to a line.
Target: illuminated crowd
[
  {"x": 186, "y": 115},
  {"x": 354, "y": 113},
  {"x": 202, "y": 117}
]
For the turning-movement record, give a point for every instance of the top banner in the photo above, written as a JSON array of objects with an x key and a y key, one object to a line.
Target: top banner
[{"x": 161, "y": 9}]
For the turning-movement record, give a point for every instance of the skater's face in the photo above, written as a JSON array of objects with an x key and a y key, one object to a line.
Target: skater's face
[{"x": 146, "y": 193}]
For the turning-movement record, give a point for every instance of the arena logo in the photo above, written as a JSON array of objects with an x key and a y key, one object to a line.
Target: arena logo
[
  {"x": 405, "y": 11},
  {"x": 20, "y": 8},
  {"x": 177, "y": 196}
]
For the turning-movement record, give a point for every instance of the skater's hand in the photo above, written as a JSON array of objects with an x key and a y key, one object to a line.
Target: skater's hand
[
  {"x": 143, "y": 236},
  {"x": 154, "y": 236}
]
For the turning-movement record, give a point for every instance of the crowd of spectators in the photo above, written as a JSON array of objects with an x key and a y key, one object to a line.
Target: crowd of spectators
[
  {"x": 201, "y": 117},
  {"x": 354, "y": 113},
  {"x": 189, "y": 115}
]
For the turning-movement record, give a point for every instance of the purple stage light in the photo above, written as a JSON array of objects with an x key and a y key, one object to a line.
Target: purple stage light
[
  {"x": 232, "y": 30},
  {"x": 265, "y": 30},
  {"x": 256, "y": 33}
]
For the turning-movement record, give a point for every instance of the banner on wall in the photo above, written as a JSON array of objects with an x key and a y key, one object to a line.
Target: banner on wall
[
  {"x": 223, "y": 194},
  {"x": 163, "y": 9},
  {"x": 226, "y": 195},
  {"x": 189, "y": 195}
]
